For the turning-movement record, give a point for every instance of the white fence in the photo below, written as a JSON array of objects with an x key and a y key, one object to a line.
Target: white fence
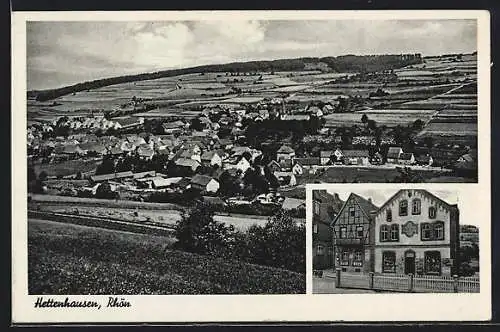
[{"x": 407, "y": 283}]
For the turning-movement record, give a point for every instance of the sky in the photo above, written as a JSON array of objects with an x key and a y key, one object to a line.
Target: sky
[
  {"x": 462, "y": 198},
  {"x": 64, "y": 53}
]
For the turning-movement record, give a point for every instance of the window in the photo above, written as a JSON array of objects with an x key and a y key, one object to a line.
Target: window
[
  {"x": 316, "y": 208},
  {"x": 343, "y": 232},
  {"x": 426, "y": 231},
  {"x": 389, "y": 262},
  {"x": 415, "y": 206},
  {"x": 395, "y": 232},
  {"x": 388, "y": 215},
  {"x": 320, "y": 249},
  {"x": 432, "y": 212},
  {"x": 315, "y": 228},
  {"x": 358, "y": 256},
  {"x": 403, "y": 208},
  {"x": 359, "y": 231},
  {"x": 434, "y": 231},
  {"x": 432, "y": 262},
  {"x": 439, "y": 230},
  {"x": 384, "y": 233},
  {"x": 352, "y": 211}
]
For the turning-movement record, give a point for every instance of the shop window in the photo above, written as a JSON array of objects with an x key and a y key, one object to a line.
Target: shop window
[
  {"x": 395, "y": 232},
  {"x": 345, "y": 256},
  {"x": 425, "y": 231},
  {"x": 389, "y": 262},
  {"x": 432, "y": 212},
  {"x": 388, "y": 215},
  {"x": 415, "y": 206},
  {"x": 358, "y": 256},
  {"x": 403, "y": 208},
  {"x": 359, "y": 231},
  {"x": 384, "y": 233},
  {"x": 320, "y": 250},
  {"x": 432, "y": 262},
  {"x": 439, "y": 230}
]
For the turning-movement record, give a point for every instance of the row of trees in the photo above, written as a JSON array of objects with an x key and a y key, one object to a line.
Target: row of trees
[{"x": 279, "y": 243}]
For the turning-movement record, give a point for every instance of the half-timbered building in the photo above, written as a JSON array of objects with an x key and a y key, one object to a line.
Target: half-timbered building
[{"x": 353, "y": 235}]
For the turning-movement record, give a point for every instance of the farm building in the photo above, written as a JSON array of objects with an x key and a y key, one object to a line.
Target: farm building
[
  {"x": 416, "y": 233},
  {"x": 353, "y": 235}
]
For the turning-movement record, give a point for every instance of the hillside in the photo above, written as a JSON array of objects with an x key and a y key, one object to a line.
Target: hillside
[
  {"x": 70, "y": 259},
  {"x": 346, "y": 63}
]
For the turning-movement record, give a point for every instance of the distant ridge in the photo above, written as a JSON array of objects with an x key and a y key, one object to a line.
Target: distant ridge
[{"x": 345, "y": 63}]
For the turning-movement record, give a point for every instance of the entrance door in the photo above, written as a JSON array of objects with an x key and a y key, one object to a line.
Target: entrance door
[{"x": 410, "y": 262}]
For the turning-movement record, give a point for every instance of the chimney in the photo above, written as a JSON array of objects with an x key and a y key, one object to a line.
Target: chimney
[
  {"x": 336, "y": 196},
  {"x": 370, "y": 200}
]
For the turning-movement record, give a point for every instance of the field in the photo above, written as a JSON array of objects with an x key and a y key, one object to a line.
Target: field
[
  {"x": 362, "y": 175},
  {"x": 163, "y": 216},
  {"x": 68, "y": 259},
  {"x": 124, "y": 210},
  {"x": 67, "y": 167},
  {"x": 388, "y": 117}
]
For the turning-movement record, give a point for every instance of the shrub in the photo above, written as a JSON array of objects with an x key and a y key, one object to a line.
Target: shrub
[{"x": 198, "y": 232}]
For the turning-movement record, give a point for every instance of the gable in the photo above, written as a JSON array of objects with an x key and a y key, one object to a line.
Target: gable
[{"x": 404, "y": 192}]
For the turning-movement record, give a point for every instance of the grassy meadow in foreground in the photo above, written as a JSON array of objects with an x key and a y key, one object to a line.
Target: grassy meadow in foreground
[{"x": 69, "y": 259}]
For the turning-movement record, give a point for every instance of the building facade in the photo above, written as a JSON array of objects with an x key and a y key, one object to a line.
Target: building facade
[
  {"x": 325, "y": 209},
  {"x": 416, "y": 233},
  {"x": 354, "y": 236}
]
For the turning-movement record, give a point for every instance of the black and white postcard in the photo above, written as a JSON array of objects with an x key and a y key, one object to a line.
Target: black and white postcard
[{"x": 250, "y": 166}]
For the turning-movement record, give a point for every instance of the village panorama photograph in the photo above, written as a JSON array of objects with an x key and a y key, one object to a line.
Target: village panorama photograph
[
  {"x": 406, "y": 240},
  {"x": 171, "y": 157}
]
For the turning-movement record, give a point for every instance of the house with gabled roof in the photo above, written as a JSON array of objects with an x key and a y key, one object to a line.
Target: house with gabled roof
[
  {"x": 204, "y": 183},
  {"x": 406, "y": 159},
  {"x": 417, "y": 233},
  {"x": 354, "y": 235},
  {"x": 241, "y": 163},
  {"x": 145, "y": 152},
  {"x": 285, "y": 152},
  {"x": 356, "y": 157},
  {"x": 393, "y": 154},
  {"x": 211, "y": 158},
  {"x": 189, "y": 165}
]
